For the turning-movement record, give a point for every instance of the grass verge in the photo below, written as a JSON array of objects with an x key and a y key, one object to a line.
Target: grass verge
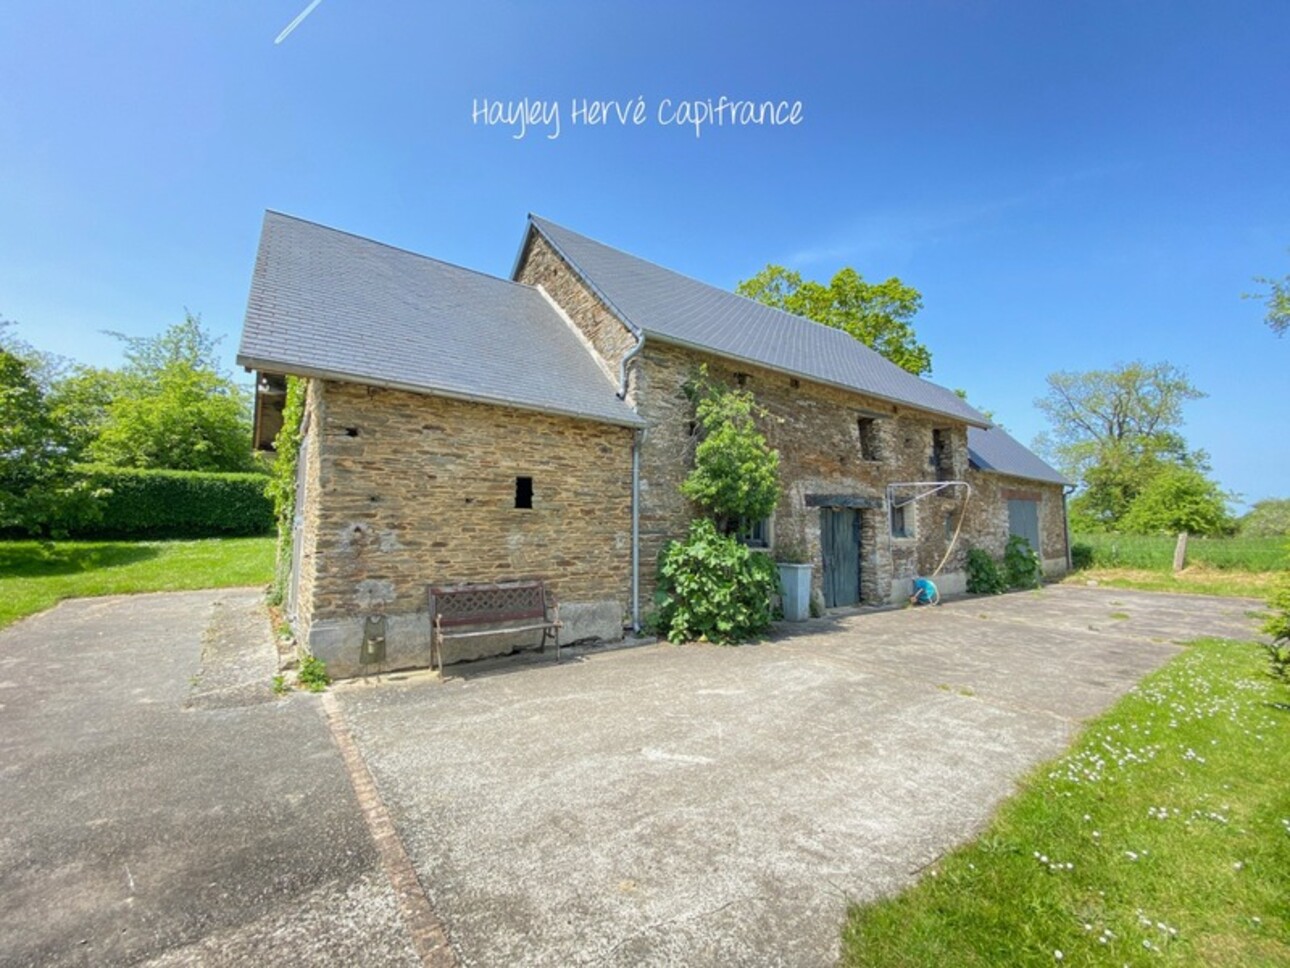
[
  {"x": 1161, "y": 838},
  {"x": 34, "y": 577},
  {"x": 1195, "y": 580}
]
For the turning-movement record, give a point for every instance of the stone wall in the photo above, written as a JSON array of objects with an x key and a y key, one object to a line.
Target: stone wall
[
  {"x": 816, "y": 430},
  {"x": 410, "y": 490},
  {"x": 542, "y": 266},
  {"x": 987, "y": 520}
]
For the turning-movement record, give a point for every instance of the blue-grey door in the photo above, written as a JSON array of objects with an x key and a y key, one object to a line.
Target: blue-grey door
[
  {"x": 1023, "y": 519},
  {"x": 840, "y": 543}
]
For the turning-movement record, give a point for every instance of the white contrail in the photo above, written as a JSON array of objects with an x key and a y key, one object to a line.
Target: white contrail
[{"x": 296, "y": 23}]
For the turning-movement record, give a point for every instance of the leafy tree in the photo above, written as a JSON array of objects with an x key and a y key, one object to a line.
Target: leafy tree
[
  {"x": 37, "y": 488},
  {"x": 80, "y": 401},
  {"x": 877, "y": 314},
  {"x": 736, "y": 474},
  {"x": 1269, "y": 518},
  {"x": 1179, "y": 499},
  {"x": 173, "y": 407},
  {"x": 1277, "y": 301},
  {"x": 1114, "y": 431}
]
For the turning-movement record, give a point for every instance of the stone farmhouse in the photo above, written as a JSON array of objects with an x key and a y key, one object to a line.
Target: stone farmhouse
[{"x": 461, "y": 427}]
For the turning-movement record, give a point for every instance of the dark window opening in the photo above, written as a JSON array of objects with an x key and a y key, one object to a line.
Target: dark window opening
[
  {"x": 351, "y": 431},
  {"x": 942, "y": 455},
  {"x": 868, "y": 428},
  {"x": 755, "y": 534},
  {"x": 902, "y": 522},
  {"x": 741, "y": 379},
  {"x": 524, "y": 492},
  {"x": 693, "y": 428},
  {"x": 795, "y": 383}
]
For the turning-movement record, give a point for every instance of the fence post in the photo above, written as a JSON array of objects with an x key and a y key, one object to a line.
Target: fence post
[{"x": 1180, "y": 551}]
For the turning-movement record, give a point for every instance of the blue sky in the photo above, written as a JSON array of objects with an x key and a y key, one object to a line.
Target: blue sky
[{"x": 1069, "y": 185}]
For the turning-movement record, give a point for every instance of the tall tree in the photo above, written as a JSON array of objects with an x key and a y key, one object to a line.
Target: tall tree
[
  {"x": 877, "y": 314},
  {"x": 173, "y": 407},
  {"x": 1114, "y": 431},
  {"x": 1277, "y": 301},
  {"x": 37, "y": 488}
]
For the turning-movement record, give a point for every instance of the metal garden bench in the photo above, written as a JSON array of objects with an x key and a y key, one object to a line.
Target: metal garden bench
[{"x": 468, "y": 611}]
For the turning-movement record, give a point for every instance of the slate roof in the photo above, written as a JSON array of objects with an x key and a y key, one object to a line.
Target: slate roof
[
  {"x": 995, "y": 450},
  {"x": 675, "y": 308},
  {"x": 330, "y": 304}
]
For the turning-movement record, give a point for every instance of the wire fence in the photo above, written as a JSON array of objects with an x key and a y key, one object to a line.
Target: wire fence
[{"x": 1156, "y": 552}]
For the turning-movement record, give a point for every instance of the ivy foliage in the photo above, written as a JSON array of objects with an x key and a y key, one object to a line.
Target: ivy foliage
[
  {"x": 711, "y": 588},
  {"x": 281, "y": 487}
]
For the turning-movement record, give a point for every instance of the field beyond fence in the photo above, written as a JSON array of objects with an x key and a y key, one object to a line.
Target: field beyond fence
[{"x": 1156, "y": 552}]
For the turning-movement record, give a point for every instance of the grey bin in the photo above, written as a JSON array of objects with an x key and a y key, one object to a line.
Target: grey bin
[{"x": 796, "y": 582}]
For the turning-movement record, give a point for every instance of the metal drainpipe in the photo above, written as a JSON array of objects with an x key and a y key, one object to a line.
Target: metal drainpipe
[
  {"x": 636, "y": 488},
  {"x": 1066, "y": 524},
  {"x": 636, "y": 531}
]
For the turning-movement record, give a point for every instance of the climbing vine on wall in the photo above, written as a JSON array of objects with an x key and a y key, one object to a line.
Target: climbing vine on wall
[{"x": 281, "y": 488}]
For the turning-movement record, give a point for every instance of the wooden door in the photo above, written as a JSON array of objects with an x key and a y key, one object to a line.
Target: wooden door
[{"x": 840, "y": 542}]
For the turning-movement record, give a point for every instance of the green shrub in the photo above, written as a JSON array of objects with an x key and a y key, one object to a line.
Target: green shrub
[
  {"x": 713, "y": 588},
  {"x": 1021, "y": 566},
  {"x": 1081, "y": 556},
  {"x": 983, "y": 576},
  {"x": 313, "y": 673},
  {"x": 174, "y": 504},
  {"x": 1278, "y": 627}
]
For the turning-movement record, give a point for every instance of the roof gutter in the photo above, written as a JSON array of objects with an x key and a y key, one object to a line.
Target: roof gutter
[{"x": 271, "y": 366}]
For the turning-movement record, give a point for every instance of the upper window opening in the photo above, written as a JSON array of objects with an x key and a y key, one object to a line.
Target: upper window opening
[
  {"x": 942, "y": 455},
  {"x": 868, "y": 428}
]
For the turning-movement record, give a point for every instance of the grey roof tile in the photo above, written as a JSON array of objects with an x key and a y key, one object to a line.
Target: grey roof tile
[
  {"x": 327, "y": 303},
  {"x": 997, "y": 451},
  {"x": 676, "y": 308}
]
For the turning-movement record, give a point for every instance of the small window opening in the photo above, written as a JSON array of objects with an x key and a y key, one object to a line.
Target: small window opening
[
  {"x": 351, "y": 431},
  {"x": 902, "y": 521},
  {"x": 795, "y": 383},
  {"x": 524, "y": 492},
  {"x": 868, "y": 428},
  {"x": 741, "y": 379},
  {"x": 693, "y": 428},
  {"x": 754, "y": 534},
  {"x": 942, "y": 455}
]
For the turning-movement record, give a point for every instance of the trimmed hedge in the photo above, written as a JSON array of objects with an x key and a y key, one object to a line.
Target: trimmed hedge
[{"x": 175, "y": 504}]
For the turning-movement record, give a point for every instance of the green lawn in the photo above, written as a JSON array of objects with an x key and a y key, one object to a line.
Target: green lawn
[
  {"x": 1162, "y": 838},
  {"x": 1156, "y": 552},
  {"x": 34, "y": 577},
  {"x": 1191, "y": 581}
]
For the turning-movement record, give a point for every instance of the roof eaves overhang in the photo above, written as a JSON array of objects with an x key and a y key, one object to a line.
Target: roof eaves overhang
[
  {"x": 295, "y": 369},
  {"x": 698, "y": 347}
]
